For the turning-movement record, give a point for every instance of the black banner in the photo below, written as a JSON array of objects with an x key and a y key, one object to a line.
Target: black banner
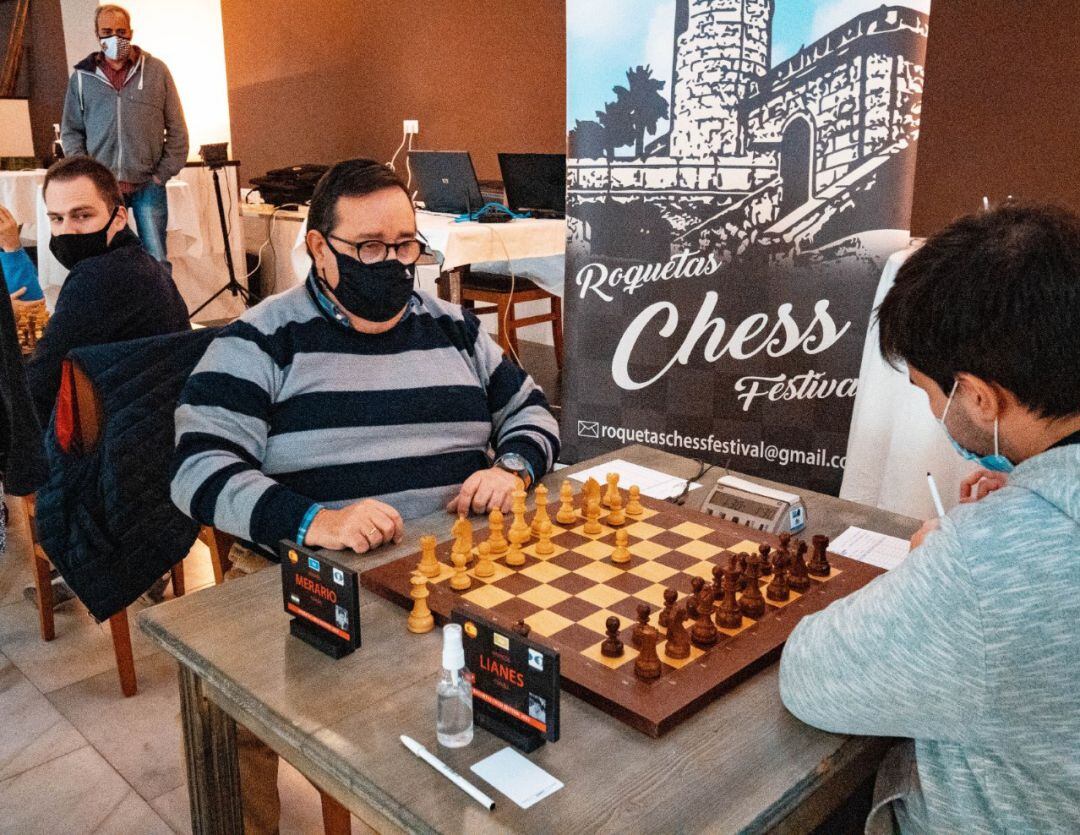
[{"x": 720, "y": 274}]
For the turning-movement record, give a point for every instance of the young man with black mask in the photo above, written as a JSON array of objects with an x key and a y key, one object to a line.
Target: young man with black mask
[
  {"x": 115, "y": 289},
  {"x": 332, "y": 412},
  {"x": 970, "y": 649}
]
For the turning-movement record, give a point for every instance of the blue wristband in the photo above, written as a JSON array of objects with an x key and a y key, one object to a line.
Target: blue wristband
[{"x": 305, "y": 523}]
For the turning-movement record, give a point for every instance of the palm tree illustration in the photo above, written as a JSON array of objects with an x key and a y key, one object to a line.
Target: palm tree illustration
[
  {"x": 616, "y": 121},
  {"x": 645, "y": 104}
]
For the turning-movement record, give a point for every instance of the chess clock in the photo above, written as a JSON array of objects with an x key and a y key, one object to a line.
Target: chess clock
[{"x": 757, "y": 507}]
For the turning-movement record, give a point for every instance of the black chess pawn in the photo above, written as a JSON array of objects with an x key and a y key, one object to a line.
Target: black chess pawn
[
  {"x": 523, "y": 629},
  {"x": 670, "y": 596},
  {"x": 717, "y": 582},
  {"x": 766, "y": 562},
  {"x": 819, "y": 562},
  {"x": 744, "y": 570},
  {"x": 612, "y": 647},
  {"x": 778, "y": 588},
  {"x": 798, "y": 580},
  {"x": 696, "y": 585},
  {"x": 752, "y": 603},
  {"x": 643, "y": 612},
  {"x": 703, "y": 632}
]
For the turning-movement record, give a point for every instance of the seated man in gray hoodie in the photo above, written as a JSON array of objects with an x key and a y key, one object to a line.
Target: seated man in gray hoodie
[{"x": 970, "y": 649}]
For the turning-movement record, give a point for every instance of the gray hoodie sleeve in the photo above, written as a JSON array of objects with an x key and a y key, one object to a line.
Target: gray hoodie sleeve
[
  {"x": 902, "y": 657},
  {"x": 72, "y": 128},
  {"x": 175, "y": 152}
]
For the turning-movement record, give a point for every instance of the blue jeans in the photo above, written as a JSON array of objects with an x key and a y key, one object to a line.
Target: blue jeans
[{"x": 151, "y": 209}]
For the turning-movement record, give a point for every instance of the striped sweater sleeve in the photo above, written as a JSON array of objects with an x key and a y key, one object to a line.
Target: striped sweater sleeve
[
  {"x": 221, "y": 430},
  {"x": 904, "y": 656},
  {"x": 521, "y": 419}
]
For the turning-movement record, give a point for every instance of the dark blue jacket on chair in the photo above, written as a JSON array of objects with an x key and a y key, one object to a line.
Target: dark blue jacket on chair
[{"x": 104, "y": 516}]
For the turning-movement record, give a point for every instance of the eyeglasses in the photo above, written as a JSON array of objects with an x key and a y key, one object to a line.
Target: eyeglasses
[{"x": 372, "y": 252}]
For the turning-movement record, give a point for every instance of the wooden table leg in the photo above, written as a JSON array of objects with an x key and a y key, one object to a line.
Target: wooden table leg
[
  {"x": 335, "y": 817},
  {"x": 213, "y": 771}
]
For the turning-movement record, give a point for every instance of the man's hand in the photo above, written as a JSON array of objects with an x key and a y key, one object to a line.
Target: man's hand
[
  {"x": 484, "y": 491},
  {"x": 980, "y": 484},
  {"x": 921, "y": 534},
  {"x": 359, "y": 527},
  {"x": 9, "y": 232}
]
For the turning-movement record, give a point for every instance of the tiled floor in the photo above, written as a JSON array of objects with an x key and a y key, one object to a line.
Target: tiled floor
[{"x": 75, "y": 755}]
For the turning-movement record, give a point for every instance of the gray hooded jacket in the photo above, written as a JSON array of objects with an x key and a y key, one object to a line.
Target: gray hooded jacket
[{"x": 138, "y": 131}]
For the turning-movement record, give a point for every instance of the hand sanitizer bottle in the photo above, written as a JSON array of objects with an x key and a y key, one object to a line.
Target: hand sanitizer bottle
[{"x": 454, "y": 723}]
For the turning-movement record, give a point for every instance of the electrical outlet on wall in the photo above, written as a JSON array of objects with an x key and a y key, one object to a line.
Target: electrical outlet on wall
[{"x": 412, "y": 126}]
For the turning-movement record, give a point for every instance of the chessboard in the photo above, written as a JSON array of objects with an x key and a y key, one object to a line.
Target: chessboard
[{"x": 671, "y": 561}]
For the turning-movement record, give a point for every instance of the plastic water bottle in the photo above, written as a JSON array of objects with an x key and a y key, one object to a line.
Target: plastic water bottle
[{"x": 454, "y": 721}]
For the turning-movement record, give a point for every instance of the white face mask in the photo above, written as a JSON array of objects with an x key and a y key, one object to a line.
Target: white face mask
[{"x": 116, "y": 48}]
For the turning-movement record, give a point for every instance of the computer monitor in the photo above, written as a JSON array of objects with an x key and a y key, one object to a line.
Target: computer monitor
[
  {"x": 535, "y": 183},
  {"x": 446, "y": 181}
]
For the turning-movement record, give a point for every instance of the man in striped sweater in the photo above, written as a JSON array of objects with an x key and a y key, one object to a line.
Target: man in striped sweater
[{"x": 331, "y": 412}]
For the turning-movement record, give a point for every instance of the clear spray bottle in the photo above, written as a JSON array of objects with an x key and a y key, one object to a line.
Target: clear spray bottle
[{"x": 454, "y": 722}]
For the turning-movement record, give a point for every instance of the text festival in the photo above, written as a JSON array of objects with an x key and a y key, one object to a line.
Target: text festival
[{"x": 752, "y": 336}]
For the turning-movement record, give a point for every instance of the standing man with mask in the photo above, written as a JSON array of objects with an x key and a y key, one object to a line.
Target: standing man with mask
[
  {"x": 970, "y": 648},
  {"x": 115, "y": 291},
  {"x": 123, "y": 110}
]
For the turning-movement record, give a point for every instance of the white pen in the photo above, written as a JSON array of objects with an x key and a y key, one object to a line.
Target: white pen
[
  {"x": 463, "y": 784},
  {"x": 935, "y": 495}
]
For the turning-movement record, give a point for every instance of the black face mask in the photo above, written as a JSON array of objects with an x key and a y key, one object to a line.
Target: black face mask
[
  {"x": 374, "y": 292},
  {"x": 71, "y": 249}
]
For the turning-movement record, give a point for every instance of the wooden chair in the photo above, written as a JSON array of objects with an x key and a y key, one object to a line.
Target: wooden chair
[
  {"x": 118, "y": 623},
  {"x": 88, "y": 420},
  {"x": 494, "y": 291}
]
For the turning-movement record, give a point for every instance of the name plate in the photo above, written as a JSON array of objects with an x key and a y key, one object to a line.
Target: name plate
[
  {"x": 515, "y": 682},
  {"x": 323, "y": 597}
]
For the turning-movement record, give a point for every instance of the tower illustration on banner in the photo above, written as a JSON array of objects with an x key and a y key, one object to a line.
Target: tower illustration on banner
[{"x": 805, "y": 158}]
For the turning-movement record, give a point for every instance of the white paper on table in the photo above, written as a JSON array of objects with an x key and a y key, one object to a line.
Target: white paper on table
[
  {"x": 653, "y": 483},
  {"x": 871, "y": 547},
  {"x": 522, "y": 781}
]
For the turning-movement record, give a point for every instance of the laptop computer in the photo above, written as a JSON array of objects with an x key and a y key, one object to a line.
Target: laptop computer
[
  {"x": 535, "y": 183},
  {"x": 446, "y": 181}
]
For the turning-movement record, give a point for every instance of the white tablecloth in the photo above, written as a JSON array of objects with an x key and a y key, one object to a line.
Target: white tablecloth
[
  {"x": 18, "y": 194},
  {"x": 194, "y": 242},
  {"x": 895, "y": 440},
  {"x": 535, "y": 248}
]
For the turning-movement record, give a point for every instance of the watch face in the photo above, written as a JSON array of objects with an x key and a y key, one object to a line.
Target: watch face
[{"x": 511, "y": 461}]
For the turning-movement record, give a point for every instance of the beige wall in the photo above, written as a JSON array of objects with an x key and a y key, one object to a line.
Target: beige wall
[
  {"x": 1001, "y": 108},
  {"x": 320, "y": 82}
]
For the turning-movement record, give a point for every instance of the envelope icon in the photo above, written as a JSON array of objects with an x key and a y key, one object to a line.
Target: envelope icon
[{"x": 588, "y": 429}]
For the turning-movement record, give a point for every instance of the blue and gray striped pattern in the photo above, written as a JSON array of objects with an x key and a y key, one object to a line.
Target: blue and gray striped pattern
[
  {"x": 972, "y": 649},
  {"x": 288, "y": 408}
]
